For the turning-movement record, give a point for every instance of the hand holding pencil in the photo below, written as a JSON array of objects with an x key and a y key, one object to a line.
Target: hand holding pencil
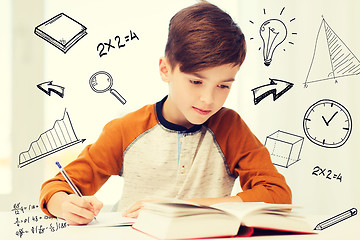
[{"x": 74, "y": 208}]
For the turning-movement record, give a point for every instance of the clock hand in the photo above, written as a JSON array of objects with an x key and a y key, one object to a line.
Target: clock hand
[
  {"x": 326, "y": 122},
  {"x": 332, "y": 117}
]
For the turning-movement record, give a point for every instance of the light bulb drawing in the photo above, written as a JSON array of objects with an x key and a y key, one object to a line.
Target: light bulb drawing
[
  {"x": 101, "y": 82},
  {"x": 273, "y": 32}
]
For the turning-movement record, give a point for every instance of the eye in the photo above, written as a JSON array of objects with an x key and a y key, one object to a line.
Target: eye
[
  {"x": 196, "y": 82},
  {"x": 223, "y": 86}
]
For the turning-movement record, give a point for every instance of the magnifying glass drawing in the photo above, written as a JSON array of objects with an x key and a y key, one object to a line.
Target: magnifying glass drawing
[{"x": 101, "y": 82}]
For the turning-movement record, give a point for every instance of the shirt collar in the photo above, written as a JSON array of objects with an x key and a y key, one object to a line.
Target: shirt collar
[{"x": 170, "y": 125}]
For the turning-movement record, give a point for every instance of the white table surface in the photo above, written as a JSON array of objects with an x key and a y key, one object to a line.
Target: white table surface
[{"x": 346, "y": 230}]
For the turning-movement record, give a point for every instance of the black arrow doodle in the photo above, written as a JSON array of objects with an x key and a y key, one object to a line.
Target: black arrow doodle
[
  {"x": 276, "y": 87},
  {"x": 48, "y": 87}
]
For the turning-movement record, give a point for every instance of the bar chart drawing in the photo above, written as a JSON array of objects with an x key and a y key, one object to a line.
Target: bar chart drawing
[{"x": 59, "y": 137}]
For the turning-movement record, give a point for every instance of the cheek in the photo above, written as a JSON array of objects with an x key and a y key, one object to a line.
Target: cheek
[
  {"x": 222, "y": 94},
  {"x": 221, "y": 98},
  {"x": 181, "y": 91},
  {"x": 178, "y": 93}
]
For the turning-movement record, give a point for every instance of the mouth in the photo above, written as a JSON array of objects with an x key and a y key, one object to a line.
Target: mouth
[{"x": 201, "y": 111}]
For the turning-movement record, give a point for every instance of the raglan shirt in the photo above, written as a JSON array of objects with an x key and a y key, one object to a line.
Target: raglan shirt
[{"x": 160, "y": 159}]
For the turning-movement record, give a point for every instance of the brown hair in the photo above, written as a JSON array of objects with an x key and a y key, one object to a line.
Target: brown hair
[{"x": 203, "y": 36}]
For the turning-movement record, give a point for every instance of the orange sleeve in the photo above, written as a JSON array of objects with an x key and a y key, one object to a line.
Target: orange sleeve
[
  {"x": 250, "y": 160},
  {"x": 98, "y": 161}
]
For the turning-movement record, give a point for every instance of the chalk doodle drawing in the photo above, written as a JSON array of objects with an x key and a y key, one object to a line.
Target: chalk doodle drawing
[
  {"x": 284, "y": 148},
  {"x": 104, "y": 48},
  {"x": 276, "y": 88},
  {"x": 101, "y": 82},
  {"x": 49, "y": 87},
  {"x": 336, "y": 219},
  {"x": 61, "y": 31},
  {"x": 30, "y": 222},
  {"x": 59, "y": 137},
  {"x": 326, "y": 173},
  {"x": 331, "y": 59},
  {"x": 273, "y": 33},
  {"x": 327, "y": 123}
]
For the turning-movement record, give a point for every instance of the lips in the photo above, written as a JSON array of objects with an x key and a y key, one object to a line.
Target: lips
[{"x": 201, "y": 111}]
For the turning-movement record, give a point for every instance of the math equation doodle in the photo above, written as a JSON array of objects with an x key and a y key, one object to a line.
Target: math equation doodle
[
  {"x": 105, "y": 47},
  {"x": 327, "y": 173},
  {"x": 29, "y": 220}
]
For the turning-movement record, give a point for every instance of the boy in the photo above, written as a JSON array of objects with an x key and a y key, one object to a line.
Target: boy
[{"x": 186, "y": 146}]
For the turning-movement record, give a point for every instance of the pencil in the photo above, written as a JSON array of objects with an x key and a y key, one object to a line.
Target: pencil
[
  {"x": 336, "y": 219},
  {"x": 69, "y": 181}
]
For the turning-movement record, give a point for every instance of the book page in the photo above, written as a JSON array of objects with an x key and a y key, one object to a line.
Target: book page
[
  {"x": 268, "y": 216},
  {"x": 111, "y": 219},
  {"x": 244, "y": 208},
  {"x": 180, "y": 208}
]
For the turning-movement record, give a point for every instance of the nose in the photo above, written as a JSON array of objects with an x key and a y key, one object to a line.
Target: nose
[{"x": 207, "y": 96}]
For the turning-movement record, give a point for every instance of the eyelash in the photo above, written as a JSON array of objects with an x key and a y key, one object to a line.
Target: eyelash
[
  {"x": 223, "y": 86},
  {"x": 196, "y": 82}
]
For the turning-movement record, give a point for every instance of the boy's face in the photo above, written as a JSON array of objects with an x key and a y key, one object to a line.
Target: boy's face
[{"x": 195, "y": 97}]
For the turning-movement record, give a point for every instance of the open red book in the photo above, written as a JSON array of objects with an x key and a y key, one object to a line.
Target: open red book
[{"x": 183, "y": 220}]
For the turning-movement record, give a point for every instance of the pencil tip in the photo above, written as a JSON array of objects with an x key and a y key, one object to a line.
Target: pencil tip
[{"x": 317, "y": 227}]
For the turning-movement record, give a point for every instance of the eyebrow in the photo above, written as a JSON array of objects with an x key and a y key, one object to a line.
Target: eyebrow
[{"x": 202, "y": 77}]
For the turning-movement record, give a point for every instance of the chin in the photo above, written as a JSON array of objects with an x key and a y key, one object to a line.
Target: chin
[{"x": 199, "y": 121}]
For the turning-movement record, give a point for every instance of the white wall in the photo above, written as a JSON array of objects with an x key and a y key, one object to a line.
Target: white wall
[
  {"x": 318, "y": 194},
  {"x": 135, "y": 74}
]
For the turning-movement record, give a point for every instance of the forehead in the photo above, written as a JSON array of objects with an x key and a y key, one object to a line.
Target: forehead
[{"x": 226, "y": 72}]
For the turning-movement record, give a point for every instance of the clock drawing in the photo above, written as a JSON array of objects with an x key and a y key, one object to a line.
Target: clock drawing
[{"x": 327, "y": 123}]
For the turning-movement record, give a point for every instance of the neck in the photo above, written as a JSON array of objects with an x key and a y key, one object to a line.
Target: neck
[{"x": 170, "y": 113}]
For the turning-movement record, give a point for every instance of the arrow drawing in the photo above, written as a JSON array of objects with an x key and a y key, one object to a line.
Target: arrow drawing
[
  {"x": 276, "y": 87},
  {"x": 48, "y": 87}
]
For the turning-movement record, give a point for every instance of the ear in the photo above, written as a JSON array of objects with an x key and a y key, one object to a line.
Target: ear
[{"x": 164, "y": 68}]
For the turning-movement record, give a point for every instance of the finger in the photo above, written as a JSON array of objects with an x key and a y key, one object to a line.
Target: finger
[
  {"x": 80, "y": 211},
  {"x": 74, "y": 219},
  {"x": 134, "y": 208},
  {"x": 81, "y": 202},
  {"x": 134, "y": 214},
  {"x": 95, "y": 203}
]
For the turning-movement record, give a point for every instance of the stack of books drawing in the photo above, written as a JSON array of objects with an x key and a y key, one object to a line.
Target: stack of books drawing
[{"x": 61, "y": 31}]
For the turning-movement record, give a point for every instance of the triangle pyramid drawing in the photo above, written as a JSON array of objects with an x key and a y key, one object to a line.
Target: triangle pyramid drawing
[{"x": 332, "y": 59}]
